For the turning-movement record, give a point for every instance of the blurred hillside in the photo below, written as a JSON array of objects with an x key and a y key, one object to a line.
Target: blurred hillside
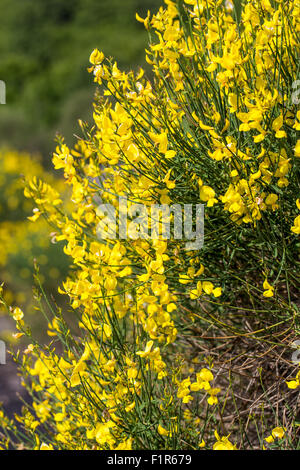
[
  {"x": 23, "y": 240},
  {"x": 44, "y": 51}
]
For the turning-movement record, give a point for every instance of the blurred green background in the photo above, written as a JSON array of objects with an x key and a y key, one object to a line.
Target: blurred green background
[{"x": 44, "y": 51}]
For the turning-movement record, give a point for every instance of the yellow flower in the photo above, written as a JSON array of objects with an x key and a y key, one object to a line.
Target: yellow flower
[
  {"x": 213, "y": 400},
  {"x": 297, "y": 149},
  {"x": 207, "y": 194},
  {"x": 17, "y": 314},
  {"x": 126, "y": 445},
  {"x": 296, "y": 227},
  {"x": 147, "y": 350},
  {"x": 17, "y": 335},
  {"x": 278, "y": 432},
  {"x": 293, "y": 384},
  {"x": 29, "y": 349},
  {"x": 142, "y": 20},
  {"x": 269, "y": 290},
  {"x": 223, "y": 443},
  {"x": 162, "y": 431},
  {"x": 96, "y": 57}
]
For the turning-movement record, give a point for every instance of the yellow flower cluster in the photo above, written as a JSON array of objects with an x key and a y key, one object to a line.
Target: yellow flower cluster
[{"x": 210, "y": 128}]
